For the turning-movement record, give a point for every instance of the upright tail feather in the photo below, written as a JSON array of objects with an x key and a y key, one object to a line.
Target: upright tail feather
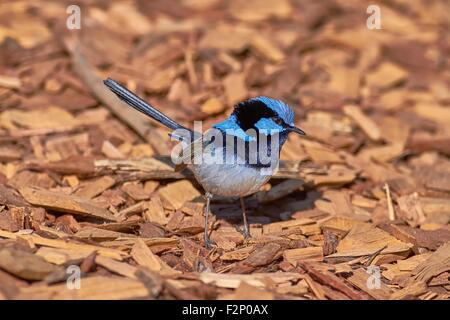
[{"x": 140, "y": 105}]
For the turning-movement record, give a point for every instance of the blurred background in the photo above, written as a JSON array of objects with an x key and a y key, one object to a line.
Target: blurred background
[{"x": 196, "y": 59}]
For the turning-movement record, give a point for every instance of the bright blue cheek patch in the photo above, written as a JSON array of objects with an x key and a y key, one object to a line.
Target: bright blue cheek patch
[
  {"x": 268, "y": 125},
  {"x": 231, "y": 127},
  {"x": 264, "y": 126}
]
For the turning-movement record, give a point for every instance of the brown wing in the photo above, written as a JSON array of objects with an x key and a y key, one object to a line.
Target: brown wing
[{"x": 190, "y": 151}]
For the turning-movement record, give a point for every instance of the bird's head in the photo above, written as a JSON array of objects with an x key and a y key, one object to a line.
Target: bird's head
[{"x": 264, "y": 115}]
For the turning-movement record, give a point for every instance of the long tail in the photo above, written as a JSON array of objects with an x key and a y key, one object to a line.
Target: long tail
[{"x": 140, "y": 105}]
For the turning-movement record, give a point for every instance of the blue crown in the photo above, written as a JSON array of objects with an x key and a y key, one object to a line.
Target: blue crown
[{"x": 279, "y": 107}]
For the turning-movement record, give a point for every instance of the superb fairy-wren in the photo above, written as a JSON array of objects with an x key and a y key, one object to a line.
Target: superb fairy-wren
[{"x": 236, "y": 156}]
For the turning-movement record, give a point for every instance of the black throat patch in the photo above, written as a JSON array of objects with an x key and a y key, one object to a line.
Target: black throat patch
[{"x": 249, "y": 112}]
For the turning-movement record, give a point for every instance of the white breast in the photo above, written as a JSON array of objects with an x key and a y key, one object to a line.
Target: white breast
[
  {"x": 229, "y": 180},
  {"x": 230, "y": 177}
]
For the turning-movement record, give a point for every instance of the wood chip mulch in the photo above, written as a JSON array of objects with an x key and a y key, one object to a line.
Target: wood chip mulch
[{"x": 360, "y": 208}]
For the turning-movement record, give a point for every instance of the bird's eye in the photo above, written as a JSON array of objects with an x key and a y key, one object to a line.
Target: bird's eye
[{"x": 277, "y": 120}]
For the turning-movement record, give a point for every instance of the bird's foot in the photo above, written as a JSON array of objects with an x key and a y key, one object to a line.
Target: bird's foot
[
  {"x": 209, "y": 243},
  {"x": 244, "y": 231}
]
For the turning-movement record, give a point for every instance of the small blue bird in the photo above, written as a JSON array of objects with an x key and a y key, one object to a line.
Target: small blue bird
[{"x": 241, "y": 153}]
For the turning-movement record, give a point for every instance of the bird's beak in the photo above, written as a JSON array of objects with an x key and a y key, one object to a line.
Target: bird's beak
[{"x": 296, "y": 130}]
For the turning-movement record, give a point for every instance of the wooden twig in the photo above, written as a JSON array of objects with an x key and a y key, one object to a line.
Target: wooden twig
[{"x": 389, "y": 202}]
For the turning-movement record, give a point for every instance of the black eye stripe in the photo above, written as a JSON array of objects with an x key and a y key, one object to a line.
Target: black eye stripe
[
  {"x": 249, "y": 112},
  {"x": 278, "y": 121}
]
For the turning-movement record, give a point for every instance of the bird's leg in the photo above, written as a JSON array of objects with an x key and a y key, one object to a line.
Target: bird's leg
[
  {"x": 245, "y": 230},
  {"x": 208, "y": 242}
]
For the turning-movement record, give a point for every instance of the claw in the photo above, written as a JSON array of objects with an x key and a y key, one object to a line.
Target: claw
[
  {"x": 244, "y": 231},
  {"x": 209, "y": 243}
]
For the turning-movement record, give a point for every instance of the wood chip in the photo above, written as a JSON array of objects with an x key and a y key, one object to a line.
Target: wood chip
[
  {"x": 10, "y": 82},
  {"x": 119, "y": 268},
  {"x": 364, "y": 122},
  {"x": 266, "y": 48},
  {"x": 386, "y": 75},
  {"x": 144, "y": 257},
  {"x": 65, "y": 203},
  {"x": 155, "y": 212},
  {"x": 24, "y": 264},
  {"x": 178, "y": 193},
  {"x": 366, "y": 240},
  {"x": 212, "y": 106},
  {"x": 311, "y": 253},
  {"x": 93, "y": 288},
  {"x": 96, "y": 187},
  {"x": 437, "y": 263},
  {"x": 56, "y": 243},
  {"x": 235, "y": 88}
]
